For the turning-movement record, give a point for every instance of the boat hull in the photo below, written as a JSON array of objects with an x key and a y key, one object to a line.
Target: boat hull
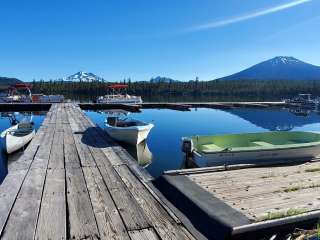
[
  {"x": 254, "y": 157},
  {"x": 13, "y": 143},
  {"x": 251, "y": 148},
  {"x": 130, "y": 135}
]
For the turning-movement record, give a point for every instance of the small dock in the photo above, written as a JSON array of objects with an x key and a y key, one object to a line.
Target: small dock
[
  {"x": 247, "y": 201},
  {"x": 74, "y": 182},
  {"x": 183, "y": 106}
]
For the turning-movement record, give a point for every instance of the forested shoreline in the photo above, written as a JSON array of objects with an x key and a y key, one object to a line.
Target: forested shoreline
[{"x": 244, "y": 90}]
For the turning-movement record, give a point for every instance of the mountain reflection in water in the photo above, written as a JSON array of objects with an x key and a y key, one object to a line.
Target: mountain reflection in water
[
  {"x": 164, "y": 140},
  {"x": 275, "y": 119}
]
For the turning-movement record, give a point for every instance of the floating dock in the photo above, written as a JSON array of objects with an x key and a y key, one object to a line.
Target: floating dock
[
  {"x": 247, "y": 201},
  {"x": 186, "y": 106},
  {"x": 137, "y": 108},
  {"x": 74, "y": 182}
]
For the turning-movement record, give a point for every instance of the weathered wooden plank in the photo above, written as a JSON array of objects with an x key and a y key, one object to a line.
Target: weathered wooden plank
[
  {"x": 82, "y": 222},
  {"x": 132, "y": 214},
  {"x": 143, "y": 234},
  {"x": 24, "y": 214},
  {"x": 43, "y": 153},
  {"x": 56, "y": 160},
  {"x": 17, "y": 174},
  {"x": 70, "y": 151},
  {"x": 52, "y": 217},
  {"x": 72, "y": 120},
  {"x": 8, "y": 191},
  {"x": 257, "y": 191},
  {"x": 164, "y": 225},
  {"x": 83, "y": 152},
  {"x": 108, "y": 218},
  {"x": 130, "y": 211},
  {"x": 53, "y": 116},
  {"x": 17, "y": 171}
]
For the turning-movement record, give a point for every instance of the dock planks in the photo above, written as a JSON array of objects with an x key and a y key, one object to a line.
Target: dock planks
[
  {"x": 73, "y": 182},
  {"x": 261, "y": 191}
]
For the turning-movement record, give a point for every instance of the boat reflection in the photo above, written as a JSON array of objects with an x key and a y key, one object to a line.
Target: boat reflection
[
  {"x": 140, "y": 152},
  {"x": 300, "y": 112}
]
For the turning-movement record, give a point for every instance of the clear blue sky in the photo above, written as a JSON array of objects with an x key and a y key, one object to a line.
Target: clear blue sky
[{"x": 141, "y": 39}]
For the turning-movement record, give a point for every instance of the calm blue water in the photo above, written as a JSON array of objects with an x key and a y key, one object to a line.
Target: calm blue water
[
  {"x": 164, "y": 141},
  {"x": 4, "y": 124}
]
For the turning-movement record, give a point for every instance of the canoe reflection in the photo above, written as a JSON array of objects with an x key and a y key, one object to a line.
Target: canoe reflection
[{"x": 140, "y": 152}]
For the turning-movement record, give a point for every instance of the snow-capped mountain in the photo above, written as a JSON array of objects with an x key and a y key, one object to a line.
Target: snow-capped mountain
[
  {"x": 84, "y": 77},
  {"x": 278, "y": 68}
]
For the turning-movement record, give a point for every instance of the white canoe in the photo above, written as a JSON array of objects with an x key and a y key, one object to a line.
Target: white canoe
[
  {"x": 15, "y": 139},
  {"x": 133, "y": 134}
]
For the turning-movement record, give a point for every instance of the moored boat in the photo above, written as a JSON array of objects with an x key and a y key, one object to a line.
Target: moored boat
[
  {"x": 17, "y": 93},
  {"x": 118, "y": 95},
  {"x": 127, "y": 130},
  {"x": 17, "y": 136},
  {"x": 252, "y": 148}
]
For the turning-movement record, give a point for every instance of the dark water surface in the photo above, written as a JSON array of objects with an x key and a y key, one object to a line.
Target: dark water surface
[
  {"x": 37, "y": 118},
  {"x": 163, "y": 147}
]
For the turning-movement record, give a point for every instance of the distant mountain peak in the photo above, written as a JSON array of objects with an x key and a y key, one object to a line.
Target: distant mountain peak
[
  {"x": 82, "y": 76},
  {"x": 278, "y": 68},
  {"x": 285, "y": 60}
]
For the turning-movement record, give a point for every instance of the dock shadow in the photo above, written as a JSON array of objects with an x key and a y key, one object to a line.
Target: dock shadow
[{"x": 96, "y": 137}]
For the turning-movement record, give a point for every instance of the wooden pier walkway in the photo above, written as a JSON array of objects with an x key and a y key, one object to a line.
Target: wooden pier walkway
[{"x": 73, "y": 182}]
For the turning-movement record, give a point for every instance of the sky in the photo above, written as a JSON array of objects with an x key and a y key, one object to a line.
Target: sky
[{"x": 140, "y": 39}]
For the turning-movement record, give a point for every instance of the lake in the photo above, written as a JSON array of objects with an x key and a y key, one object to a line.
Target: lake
[
  {"x": 37, "y": 118},
  {"x": 162, "y": 150}
]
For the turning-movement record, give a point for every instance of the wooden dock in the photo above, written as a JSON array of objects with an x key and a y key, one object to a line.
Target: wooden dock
[
  {"x": 261, "y": 193},
  {"x": 183, "y": 106},
  {"x": 264, "y": 199},
  {"x": 73, "y": 182}
]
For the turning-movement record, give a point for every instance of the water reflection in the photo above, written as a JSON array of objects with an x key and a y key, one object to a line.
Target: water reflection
[
  {"x": 277, "y": 119},
  {"x": 140, "y": 152},
  {"x": 164, "y": 141},
  {"x": 6, "y": 121},
  {"x": 300, "y": 112}
]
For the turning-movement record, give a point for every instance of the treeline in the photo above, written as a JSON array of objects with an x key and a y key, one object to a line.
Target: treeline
[
  {"x": 244, "y": 90},
  {"x": 5, "y": 82}
]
